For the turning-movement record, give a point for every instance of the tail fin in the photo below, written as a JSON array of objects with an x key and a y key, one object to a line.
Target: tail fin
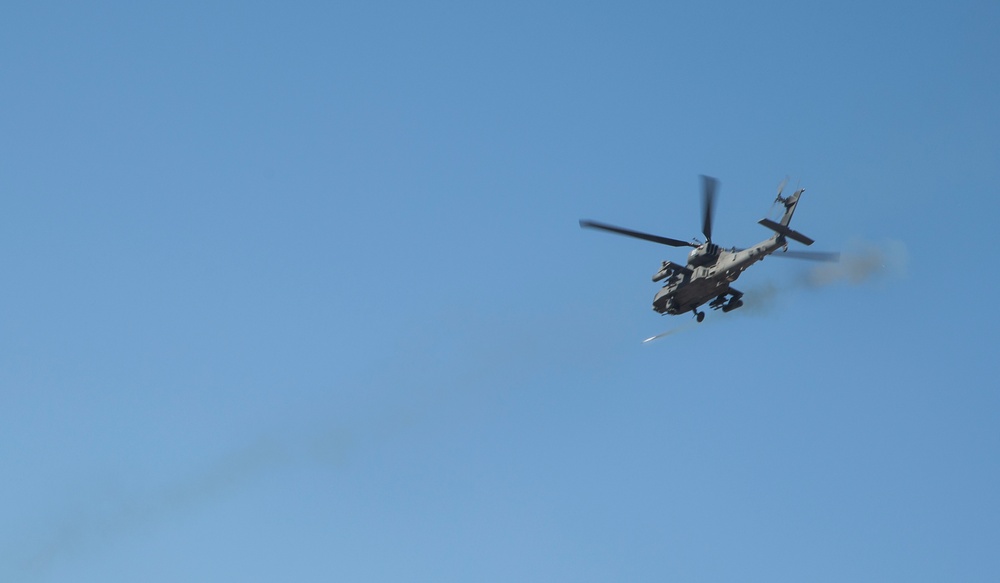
[
  {"x": 781, "y": 227},
  {"x": 790, "y": 204}
]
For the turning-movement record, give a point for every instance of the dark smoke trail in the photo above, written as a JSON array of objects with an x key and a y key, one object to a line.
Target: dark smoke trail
[
  {"x": 87, "y": 529},
  {"x": 862, "y": 262}
]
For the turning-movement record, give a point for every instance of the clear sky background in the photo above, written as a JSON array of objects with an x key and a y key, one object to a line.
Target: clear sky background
[{"x": 296, "y": 292}]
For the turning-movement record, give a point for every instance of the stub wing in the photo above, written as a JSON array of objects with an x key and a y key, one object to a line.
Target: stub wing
[{"x": 669, "y": 268}]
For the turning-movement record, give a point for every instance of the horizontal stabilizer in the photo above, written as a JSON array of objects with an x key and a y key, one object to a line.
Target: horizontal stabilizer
[{"x": 785, "y": 231}]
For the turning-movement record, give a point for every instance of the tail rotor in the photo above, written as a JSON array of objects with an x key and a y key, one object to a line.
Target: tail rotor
[{"x": 781, "y": 188}]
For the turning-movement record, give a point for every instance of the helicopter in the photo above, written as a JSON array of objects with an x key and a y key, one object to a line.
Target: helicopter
[{"x": 710, "y": 270}]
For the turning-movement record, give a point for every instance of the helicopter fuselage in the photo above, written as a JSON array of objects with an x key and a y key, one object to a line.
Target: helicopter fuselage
[{"x": 708, "y": 276}]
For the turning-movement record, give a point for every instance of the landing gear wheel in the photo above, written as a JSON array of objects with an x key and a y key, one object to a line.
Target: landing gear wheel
[{"x": 699, "y": 316}]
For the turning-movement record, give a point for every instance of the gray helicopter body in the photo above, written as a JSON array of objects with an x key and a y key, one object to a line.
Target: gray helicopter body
[
  {"x": 710, "y": 270},
  {"x": 688, "y": 288}
]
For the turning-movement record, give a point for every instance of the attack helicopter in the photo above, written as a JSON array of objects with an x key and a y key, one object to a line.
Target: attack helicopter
[{"x": 710, "y": 270}]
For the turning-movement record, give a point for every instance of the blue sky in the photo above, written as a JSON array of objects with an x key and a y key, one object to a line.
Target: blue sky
[{"x": 296, "y": 291}]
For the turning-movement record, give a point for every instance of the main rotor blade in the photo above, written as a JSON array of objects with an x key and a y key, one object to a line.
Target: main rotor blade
[
  {"x": 829, "y": 256},
  {"x": 709, "y": 186},
  {"x": 636, "y": 234}
]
